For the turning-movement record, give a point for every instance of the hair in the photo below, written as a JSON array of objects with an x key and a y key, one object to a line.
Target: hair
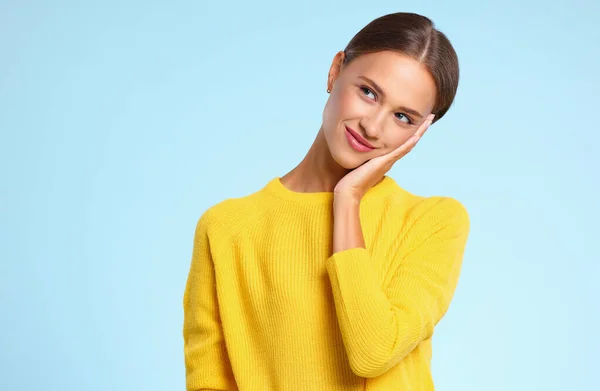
[{"x": 415, "y": 36}]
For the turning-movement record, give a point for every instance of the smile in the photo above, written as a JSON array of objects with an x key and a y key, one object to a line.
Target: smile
[{"x": 354, "y": 142}]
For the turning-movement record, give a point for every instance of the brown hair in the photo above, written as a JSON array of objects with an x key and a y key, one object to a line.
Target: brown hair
[{"x": 415, "y": 36}]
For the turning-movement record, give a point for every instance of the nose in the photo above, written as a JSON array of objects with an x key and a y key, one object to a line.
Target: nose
[{"x": 372, "y": 124}]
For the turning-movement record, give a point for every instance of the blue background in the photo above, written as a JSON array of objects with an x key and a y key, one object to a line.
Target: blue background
[{"x": 123, "y": 121}]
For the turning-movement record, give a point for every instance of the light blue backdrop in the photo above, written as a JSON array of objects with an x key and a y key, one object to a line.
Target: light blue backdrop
[{"x": 123, "y": 121}]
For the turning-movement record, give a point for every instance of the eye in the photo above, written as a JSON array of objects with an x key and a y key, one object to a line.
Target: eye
[
  {"x": 363, "y": 89},
  {"x": 368, "y": 91},
  {"x": 408, "y": 120}
]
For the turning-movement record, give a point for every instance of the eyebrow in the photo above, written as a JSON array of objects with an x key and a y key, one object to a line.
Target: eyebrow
[{"x": 380, "y": 91}]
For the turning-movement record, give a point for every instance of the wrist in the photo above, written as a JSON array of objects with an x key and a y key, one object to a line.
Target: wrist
[{"x": 345, "y": 201}]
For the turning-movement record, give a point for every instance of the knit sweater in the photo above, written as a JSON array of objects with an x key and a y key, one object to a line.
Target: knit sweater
[{"x": 267, "y": 306}]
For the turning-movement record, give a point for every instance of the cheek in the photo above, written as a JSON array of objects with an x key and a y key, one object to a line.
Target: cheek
[
  {"x": 351, "y": 106},
  {"x": 329, "y": 112},
  {"x": 396, "y": 137},
  {"x": 341, "y": 106}
]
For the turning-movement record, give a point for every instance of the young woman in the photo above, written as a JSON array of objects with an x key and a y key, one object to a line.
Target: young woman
[{"x": 333, "y": 277}]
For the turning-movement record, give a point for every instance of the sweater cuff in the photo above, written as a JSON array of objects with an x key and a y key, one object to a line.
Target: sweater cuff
[
  {"x": 349, "y": 261},
  {"x": 355, "y": 286}
]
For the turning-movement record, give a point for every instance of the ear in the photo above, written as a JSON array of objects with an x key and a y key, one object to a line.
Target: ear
[{"x": 334, "y": 70}]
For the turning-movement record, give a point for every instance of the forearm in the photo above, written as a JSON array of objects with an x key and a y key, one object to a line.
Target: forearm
[
  {"x": 382, "y": 324},
  {"x": 347, "y": 230},
  {"x": 366, "y": 322}
]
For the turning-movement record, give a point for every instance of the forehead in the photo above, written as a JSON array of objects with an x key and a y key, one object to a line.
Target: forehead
[{"x": 403, "y": 79}]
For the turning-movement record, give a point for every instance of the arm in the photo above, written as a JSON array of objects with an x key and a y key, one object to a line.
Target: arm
[
  {"x": 206, "y": 361},
  {"x": 380, "y": 325}
]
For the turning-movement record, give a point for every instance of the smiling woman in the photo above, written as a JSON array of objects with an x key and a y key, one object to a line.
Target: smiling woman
[
  {"x": 385, "y": 94},
  {"x": 333, "y": 276}
]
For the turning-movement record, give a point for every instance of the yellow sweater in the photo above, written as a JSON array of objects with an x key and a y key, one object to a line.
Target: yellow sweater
[{"x": 268, "y": 307}]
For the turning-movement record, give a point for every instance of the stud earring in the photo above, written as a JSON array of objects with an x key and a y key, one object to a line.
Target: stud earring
[{"x": 328, "y": 90}]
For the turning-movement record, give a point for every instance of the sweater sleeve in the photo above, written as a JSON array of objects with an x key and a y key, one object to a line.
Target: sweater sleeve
[
  {"x": 206, "y": 360},
  {"x": 380, "y": 325}
]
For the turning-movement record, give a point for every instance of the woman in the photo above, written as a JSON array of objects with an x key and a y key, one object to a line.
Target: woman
[{"x": 333, "y": 277}]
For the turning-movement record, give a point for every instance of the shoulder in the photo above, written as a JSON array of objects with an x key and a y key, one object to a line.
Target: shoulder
[
  {"x": 443, "y": 207},
  {"x": 432, "y": 211},
  {"x": 437, "y": 213},
  {"x": 225, "y": 219}
]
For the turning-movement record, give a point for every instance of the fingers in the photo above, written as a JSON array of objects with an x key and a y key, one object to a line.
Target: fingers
[{"x": 424, "y": 126}]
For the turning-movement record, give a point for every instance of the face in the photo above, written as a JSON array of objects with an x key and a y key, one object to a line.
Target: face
[{"x": 383, "y": 97}]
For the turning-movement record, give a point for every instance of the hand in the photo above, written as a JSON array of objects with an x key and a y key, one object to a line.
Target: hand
[{"x": 355, "y": 184}]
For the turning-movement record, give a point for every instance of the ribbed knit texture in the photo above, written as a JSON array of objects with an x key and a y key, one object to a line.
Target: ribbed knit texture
[{"x": 267, "y": 306}]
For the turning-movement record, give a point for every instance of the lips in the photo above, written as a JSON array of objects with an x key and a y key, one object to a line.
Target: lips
[
  {"x": 354, "y": 143},
  {"x": 359, "y": 138}
]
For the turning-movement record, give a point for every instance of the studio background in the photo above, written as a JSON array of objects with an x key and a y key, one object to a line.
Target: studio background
[{"x": 121, "y": 122}]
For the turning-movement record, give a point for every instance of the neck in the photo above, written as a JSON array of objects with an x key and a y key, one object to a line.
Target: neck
[{"x": 317, "y": 172}]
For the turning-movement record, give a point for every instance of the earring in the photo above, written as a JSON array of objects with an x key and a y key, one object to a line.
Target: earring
[{"x": 328, "y": 90}]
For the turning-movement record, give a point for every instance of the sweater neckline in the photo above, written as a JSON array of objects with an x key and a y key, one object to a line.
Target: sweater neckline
[{"x": 276, "y": 188}]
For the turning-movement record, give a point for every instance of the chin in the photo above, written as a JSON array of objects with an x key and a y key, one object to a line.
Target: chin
[{"x": 347, "y": 160}]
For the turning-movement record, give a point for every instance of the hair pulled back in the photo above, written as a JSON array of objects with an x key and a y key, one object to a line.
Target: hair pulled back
[{"x": 415, "y": 36}]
